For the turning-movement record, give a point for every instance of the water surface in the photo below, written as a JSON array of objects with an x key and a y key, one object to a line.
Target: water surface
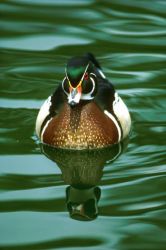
[{"x": 37, "y": 38}]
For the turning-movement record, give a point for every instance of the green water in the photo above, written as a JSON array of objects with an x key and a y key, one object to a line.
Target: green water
[{"x": 37, "y": 38}]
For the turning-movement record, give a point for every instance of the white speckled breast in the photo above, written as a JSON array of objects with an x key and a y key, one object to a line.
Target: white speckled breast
[{"x": 84, "y": 126}]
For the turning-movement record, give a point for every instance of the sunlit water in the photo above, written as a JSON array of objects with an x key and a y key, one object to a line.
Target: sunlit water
[{"x": 37, "y": 38}]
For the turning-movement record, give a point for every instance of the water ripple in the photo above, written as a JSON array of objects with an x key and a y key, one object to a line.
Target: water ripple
[
  {"x": 37, "y": 39},
  {"x": 44, "y": 42}
]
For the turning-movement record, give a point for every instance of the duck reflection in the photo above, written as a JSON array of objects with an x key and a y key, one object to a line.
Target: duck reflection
[{"x": 82, "y": 171}]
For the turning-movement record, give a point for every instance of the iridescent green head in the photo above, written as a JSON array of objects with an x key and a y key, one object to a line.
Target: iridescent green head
[{"x": 80, "y": 80}]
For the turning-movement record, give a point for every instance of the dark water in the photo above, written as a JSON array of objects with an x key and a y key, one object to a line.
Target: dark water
[{"x": 37, "y": 38}]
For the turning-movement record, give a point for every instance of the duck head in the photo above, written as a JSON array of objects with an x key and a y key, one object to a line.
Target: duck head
[
  {"x": 82, "y": 204},
  {"x": 80, "y": 82}
]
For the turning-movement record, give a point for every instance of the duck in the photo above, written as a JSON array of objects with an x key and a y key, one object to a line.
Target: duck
[{"x": 85, "y": 111}]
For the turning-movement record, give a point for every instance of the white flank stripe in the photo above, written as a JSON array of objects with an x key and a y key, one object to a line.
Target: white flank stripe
[
  {"x": 43, "y": 112},
  {"x": 122, "y": 113},
  {"x": 115, "y": 122},
  {"x": 45, "y": 129}
]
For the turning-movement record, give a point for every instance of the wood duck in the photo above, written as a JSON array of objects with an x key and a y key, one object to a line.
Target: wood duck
[{"x": 85, "y": 111}]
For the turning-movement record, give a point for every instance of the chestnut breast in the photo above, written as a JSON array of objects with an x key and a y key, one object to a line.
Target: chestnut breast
[{"x": 81, "y": 127}]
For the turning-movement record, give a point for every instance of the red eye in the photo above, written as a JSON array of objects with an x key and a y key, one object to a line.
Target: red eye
[{"x": 86, "y": 77}]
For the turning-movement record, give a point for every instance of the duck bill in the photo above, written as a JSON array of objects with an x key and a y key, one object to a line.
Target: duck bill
[{"x": 74, "y": 96}]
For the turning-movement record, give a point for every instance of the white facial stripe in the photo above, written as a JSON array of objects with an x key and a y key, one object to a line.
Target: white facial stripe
[
  {"x": 115, "y": 122},
  {"x": 67, "y": 75},
  {"x": 101, "y": 73},
  {"x": 63, "y": 87},
  {"x": 93, "y": 85},
  {"x": 81, "y": 77},
  {"x": 88, "y": 96},
  {"x": 83, "y": 96},
  {"x": 93, "y": 74},
  {"x": 84, "y": 72}
]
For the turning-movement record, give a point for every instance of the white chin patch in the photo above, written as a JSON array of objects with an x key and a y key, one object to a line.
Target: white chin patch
[
  {"x": 122, "y": 113},
  {"x": 43, "y": 113},
  {"x": 76, "y": 98}
]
